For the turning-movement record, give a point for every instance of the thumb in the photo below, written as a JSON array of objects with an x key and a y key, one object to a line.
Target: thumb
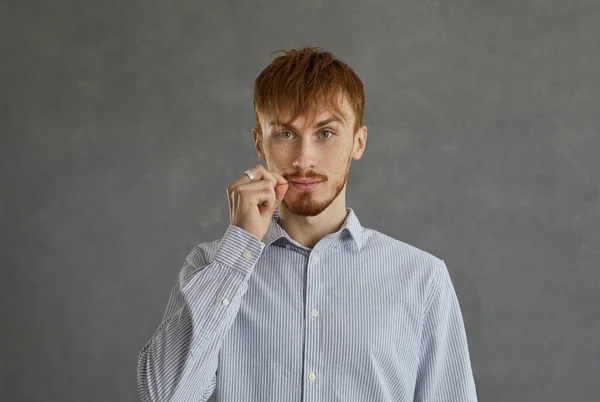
[{"x": 280, "y": 191}]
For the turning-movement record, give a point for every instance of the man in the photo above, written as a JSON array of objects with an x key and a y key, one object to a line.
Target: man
[{"x": 297, "y": 301}]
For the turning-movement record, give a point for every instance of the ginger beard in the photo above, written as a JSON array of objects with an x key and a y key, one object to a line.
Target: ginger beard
[{"x": 311, "y": 202}]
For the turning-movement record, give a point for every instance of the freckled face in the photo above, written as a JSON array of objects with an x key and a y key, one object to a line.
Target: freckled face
[{"x": 320, "y": 151}]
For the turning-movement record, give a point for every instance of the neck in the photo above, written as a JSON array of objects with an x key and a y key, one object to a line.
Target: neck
[{"x": 308, "y": 230}]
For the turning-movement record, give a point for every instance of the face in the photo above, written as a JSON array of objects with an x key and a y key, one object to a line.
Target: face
[{"x": 318, "y": 151}]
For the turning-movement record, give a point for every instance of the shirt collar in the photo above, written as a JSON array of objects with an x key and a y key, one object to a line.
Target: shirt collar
[{"x": 350, "y": 226}]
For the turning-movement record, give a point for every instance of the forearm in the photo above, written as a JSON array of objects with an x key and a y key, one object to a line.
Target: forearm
[{"x": 181, "y": 357}]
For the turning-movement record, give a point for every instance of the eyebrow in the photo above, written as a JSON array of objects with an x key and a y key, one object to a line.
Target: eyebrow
[{"x": 319, "y": 124}]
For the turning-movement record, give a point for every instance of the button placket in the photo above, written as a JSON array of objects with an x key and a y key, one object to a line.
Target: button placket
[{"x": 313, "y": 299}]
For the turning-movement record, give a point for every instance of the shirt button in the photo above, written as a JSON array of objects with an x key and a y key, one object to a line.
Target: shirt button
[
  {"x": 314, "y": 313},
  {"x": 288, "y": 246},
  {"x": 312, "y": 376},
  {"x": 337, "y": 246},
  {"x": 225, "y": 302},
  {"x": 248, "y": 254},
  {"x": 316, "y": 258}
]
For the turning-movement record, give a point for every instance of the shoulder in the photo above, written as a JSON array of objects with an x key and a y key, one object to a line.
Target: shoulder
[
  {"x": 376, "y": 241},
  {"x": 412, "y": 262}
]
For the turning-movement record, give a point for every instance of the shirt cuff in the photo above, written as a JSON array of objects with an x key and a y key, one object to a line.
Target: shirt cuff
[{"x": 239, "y": 249}]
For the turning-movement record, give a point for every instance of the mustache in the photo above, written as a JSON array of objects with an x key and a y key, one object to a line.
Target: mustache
[{"x": 308, "y": 175}]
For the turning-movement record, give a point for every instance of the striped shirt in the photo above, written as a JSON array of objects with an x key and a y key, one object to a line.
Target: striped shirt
[{"x": 359, "y": 317}]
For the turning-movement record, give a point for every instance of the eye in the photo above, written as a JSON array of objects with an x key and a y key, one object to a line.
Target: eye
[
  {"x": 282, "y": 134},
  {"x": 327, "y": 131}
]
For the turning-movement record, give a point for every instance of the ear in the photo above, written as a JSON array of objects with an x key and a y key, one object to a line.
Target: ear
[
  {"x": 360, "y": 142},
  {"x": 258, "y": 144}
]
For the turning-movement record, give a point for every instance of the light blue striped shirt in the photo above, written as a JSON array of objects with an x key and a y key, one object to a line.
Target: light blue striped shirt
[{"x": 359, "y": 317}]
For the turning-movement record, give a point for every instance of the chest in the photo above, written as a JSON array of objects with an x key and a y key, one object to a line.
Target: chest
[{"x": 356, "y": 307}]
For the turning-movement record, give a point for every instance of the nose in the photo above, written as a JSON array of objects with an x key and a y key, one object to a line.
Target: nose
[{"x": 305, "y": 158}]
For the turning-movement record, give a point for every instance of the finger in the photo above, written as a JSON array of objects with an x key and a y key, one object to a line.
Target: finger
[
  {"x": 262, "y": 173},
  {"x": 259, "y": 173},
  {"x": 280, "y": 191},
  {"x": 256, "y": 185},
  {"x": 249, "y": 194},
  {"x": 269, "y": 199},
  {"x": 263, "y": 198},
  {"x": 279, "y": 177}
]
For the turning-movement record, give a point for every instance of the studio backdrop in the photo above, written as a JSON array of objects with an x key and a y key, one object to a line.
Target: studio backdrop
[{"x": 122, "y": 123}]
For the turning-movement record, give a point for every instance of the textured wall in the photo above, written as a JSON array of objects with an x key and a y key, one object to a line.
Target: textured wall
[{"x": 122, "y": 124}]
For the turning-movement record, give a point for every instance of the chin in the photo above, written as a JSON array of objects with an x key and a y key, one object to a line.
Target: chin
[{"x": 306, "y": 205}]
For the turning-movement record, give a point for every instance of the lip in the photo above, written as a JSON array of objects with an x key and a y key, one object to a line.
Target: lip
[{"x": 305, "y": 186}]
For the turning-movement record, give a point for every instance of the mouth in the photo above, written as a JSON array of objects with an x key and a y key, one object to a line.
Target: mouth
[{"x": 304, "y": 186}]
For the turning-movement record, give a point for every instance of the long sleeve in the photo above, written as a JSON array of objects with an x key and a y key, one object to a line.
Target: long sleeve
[
  {"x": 180, "y": 361},
  {"x": 444, "y": 373}
]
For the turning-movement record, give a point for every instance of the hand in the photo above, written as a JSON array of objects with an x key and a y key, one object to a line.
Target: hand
[{"x": 252, "y": 204}]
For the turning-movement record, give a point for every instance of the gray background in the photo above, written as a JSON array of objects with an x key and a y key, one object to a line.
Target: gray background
[{"x": 123, "y": 123}]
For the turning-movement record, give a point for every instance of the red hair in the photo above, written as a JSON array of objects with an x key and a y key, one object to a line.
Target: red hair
[{"x": 304, "y": 81}]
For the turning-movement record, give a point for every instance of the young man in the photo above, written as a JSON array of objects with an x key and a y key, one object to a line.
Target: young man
[{"x": 297, "y": 301}]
